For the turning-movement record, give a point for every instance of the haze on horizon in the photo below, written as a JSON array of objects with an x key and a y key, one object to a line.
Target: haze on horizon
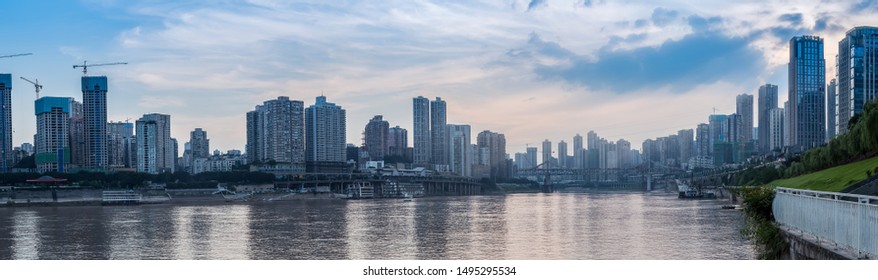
[{"x": 531, "y": 69}]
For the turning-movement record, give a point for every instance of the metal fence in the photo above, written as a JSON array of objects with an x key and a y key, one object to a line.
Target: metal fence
[{"x": 846, "y": 219}]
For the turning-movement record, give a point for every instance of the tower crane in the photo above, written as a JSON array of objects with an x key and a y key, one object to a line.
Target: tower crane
[
  {"x": 37, "y": 85},
  {"x": 14, "y": 55},
  {"x": 85, "y": 66}
]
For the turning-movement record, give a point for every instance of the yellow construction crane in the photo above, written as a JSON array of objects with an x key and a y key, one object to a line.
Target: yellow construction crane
[
  {"x": 85, "y": 66},
  {"x": 37, "y": 85},
  {"x": 14, "y": 55}
]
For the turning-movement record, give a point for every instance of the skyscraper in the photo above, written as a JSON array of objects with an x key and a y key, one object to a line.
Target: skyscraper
[
  {"x": 767, "y": 101},
  {"x": 94, "y": 117},
  {"x": 857, "y": 62},
  {"x": 439, "y": 149},
  {"x": 744, "y": 109},
  {"x": 199, "y": 145},
  {"x": 776, "y": 130},
  {"x": 687, "y": 144},
  {"x": 276, "y": 133},
  {"x": 496, "y": 144},
  {"x": 807, "y": 74},
  {"x": 119, "y": 139},
  {"x": 459, "y": 156},
  {"x": 562, "y": 154},
  {"x": 325, "y": 134},
  {"x": 716, "y": 131},
  {"x": 77, "y": 135},
  {"x": 547, "y": 153},
  {"x": 376, "y": 137},
  {"x": 397, "y": 142},
  {"x": 702, "y": 144},
  {"x": 831, "y": 109},
  {"x": 53, "y": 132},
  {"x": 578, "y": 155},
  {"x": 6, "y": 123},
  {"x": 155, "y": 151},
  {"x": 531, "y": 157},
  {"x": 421, "y": 131}
]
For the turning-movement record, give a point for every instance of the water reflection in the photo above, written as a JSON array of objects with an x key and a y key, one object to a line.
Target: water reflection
[{"x": 526, "y": 226}]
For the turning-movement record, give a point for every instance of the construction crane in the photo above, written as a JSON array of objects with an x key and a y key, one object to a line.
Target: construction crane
[
  {"x": 14, "y": 55},
  {"x": 85, "y": 66},
  {"x": 37, "y": 85}
]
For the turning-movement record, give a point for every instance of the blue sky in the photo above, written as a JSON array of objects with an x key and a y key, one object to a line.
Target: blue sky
[{"x": 532, "y": 70}]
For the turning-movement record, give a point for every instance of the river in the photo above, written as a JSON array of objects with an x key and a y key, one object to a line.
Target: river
[{"x": 612, "y": 225}]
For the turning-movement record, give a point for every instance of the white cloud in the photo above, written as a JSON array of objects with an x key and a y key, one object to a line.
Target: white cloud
[{"x": 215, "y": 62}]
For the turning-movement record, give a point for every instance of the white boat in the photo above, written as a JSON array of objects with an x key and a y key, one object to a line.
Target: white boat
[{"x": 407, "y": 198}]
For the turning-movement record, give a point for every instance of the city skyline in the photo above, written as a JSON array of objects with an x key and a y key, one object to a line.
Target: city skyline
[{"x": 532, "y": 60}]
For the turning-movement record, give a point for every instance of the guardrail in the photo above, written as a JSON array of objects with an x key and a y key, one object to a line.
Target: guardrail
[{"x": 848, "y": 220}]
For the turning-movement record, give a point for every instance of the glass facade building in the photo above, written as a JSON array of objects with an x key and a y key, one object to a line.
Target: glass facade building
[
  {"x": 807, "y": 92},
  {"x": 857, "y": 75}
]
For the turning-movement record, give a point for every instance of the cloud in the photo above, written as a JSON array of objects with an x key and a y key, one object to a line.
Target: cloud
[
  {"x": 534, "y": 4},
  {"x": 661, "y": 16},
  {"x": 696, "y": 59},
  {"x": 795, "y": 18}
]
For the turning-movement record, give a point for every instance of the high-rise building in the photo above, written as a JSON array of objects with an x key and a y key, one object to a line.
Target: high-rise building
[
  {"x": 623, "y": 149},
  {"x": 421, "y": 131},
  {"x": 703, "y": 149},
  {"x": 77, "y": 135},
  {"x": 155, "y": 151},
  {"x": 53, "y": 132},
  {"x": 94, "y": 117},
  {"x": 831, "y": 109},
  {"x": 786, "y": 127},
  {"x": 439, "y": 149},
  {"x": 531, "y": 157},
  {"x": 496, "y": 144},
  {"x": 687, "y": 144},
  {"x": 716, "y": 130},
  {"x": 376, "y": 137},
  {"x": 807, "y": 74},
  {"x": 562, "y": 154},
  {"x": 120, "y": 136},
  {"x": 198, "y": 147},
  {"x": 276, "y": 133},
  {"x": 6, "y": 123},
  {"x": 857, "y": 62},
  {"x": 744, "y": 109},
  {"x": 397, "y": 141},
  {"x": 776, "y": 131},
  {"x": 325, "y": 130},
  {"x": 578, "y": 155},
  {"x": 547, "y": 153},
  {"x": 767, "y": 101},
  {"x": 459, "y": 156}
]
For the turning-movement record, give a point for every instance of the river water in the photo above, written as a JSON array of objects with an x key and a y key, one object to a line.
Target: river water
[{"x": 521, "y": 226}]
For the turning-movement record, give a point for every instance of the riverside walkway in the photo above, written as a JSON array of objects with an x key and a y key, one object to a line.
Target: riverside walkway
[{"x": 828, "y": 225}]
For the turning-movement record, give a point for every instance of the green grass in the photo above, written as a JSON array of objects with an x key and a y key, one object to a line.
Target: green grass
[{"x": 832, "y": 180}]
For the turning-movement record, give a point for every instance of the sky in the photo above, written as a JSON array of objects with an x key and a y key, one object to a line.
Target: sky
[{"x": 530, "y": 69}]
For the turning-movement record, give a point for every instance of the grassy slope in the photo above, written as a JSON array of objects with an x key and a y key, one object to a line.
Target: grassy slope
[{"x": 833, "y": 179}]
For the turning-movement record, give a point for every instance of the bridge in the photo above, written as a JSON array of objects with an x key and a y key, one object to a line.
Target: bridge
[
  {"x": 342, "y": 183},
  {"x": 827, "y": 225}
]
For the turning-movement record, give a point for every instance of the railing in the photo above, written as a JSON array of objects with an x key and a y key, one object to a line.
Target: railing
[{"x": 848, "y": 220}]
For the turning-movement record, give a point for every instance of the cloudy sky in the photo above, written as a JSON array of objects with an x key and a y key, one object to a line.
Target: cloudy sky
[{"x": 531, "y": 69}]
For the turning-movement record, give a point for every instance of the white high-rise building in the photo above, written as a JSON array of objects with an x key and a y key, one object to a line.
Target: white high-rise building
[
  {"x": 776, "y": 131},
  {"x": 325, "y": 134},
  {"x": 459, "y": 157},
  {"x": 155, "y": 150}
]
